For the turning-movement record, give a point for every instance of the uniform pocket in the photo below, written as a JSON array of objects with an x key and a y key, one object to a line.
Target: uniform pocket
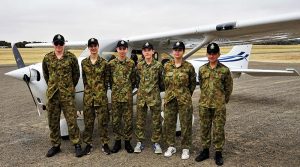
[{"x": 205, "y": 80}]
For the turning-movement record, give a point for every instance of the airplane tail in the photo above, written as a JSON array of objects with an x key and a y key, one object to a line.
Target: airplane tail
[{"x": 238, "y": 56}]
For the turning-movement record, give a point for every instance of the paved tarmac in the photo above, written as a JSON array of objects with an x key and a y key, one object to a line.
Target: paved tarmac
[{"x": 262, "y": 128}]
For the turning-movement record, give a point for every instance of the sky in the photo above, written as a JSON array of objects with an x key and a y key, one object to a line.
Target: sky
[{"x": 79, "y": 20}]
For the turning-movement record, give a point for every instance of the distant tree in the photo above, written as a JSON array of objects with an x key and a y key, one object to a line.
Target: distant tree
[
  {"x": 4, "y": 43},
  {"x": 281, "y": 42},
  {"x": 21, "y": 44}
]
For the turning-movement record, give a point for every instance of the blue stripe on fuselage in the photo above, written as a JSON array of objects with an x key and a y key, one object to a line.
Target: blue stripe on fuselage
[{"x": 237, "y": 57}]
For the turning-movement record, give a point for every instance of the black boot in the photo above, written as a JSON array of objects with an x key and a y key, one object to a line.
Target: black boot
[
  {"x": 78, "y": 151},
  {"x": 203, "y": 155},
  {"x": 116, "y": 147},
  {"x": 88, "y": 149},
  {"x": 128, "y": 146},
  {"x": 52, "y": 151},
  {"x": 106, "y": 149},
  {"x": 219, "y": 158}
]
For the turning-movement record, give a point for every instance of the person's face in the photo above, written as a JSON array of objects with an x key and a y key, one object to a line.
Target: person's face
[
  {"x": 178, "y": 53},
  {"x": 213, "y": 57},
  {"x": 59, "y": 46},
  {"x": 148, "y": 53},
  {"x": 122, "y": 51},
  {"x": 94, "y": 48}
]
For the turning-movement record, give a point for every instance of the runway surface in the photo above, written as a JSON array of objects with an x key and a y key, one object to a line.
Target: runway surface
[{"x": 262, "y": 128}]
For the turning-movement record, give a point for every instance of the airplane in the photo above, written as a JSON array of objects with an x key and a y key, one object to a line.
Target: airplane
[{"x": 278, "y": 28}]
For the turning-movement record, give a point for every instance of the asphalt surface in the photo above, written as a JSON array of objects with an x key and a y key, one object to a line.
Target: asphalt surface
[{"x": 262, "y": 128}]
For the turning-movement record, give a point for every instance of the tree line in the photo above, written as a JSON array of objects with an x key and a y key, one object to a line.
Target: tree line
[{"x": 18, "y": 44}]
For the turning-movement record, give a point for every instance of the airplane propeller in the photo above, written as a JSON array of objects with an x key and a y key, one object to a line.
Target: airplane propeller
[{"x": 26, "y": 78}]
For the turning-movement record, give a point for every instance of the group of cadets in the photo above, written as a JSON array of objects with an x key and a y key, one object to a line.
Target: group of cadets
[{"x": 177, "y": 78}]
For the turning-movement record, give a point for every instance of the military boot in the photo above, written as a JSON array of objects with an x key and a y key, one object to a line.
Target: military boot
[
  {"x": 128, "y": 146},
  {"x": 105, "y": 149},
  {"x": 52, "y": 151},
  {"x": 116, "y": 147},
  {"x": 203, "y": 155},
  {"x": 78, "y": 151},
  {"x": 219, "y": 158}
]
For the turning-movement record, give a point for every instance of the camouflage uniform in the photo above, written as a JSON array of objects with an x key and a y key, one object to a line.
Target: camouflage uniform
[
  {"x": 216, "y": 87},
  {"x": 180, "y": 83},
  {"x": 122, "y": 82},
  {"x": 61, "y": 76},
  {"x": 150, "y": 85},
  {"x": 95, "y": 80}
]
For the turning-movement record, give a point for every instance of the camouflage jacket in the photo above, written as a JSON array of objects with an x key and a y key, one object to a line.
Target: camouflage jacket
[
  {"x": 180, "y": 82},
  {"x": 122, "y": 79},
  {"x": 149, "y": 82},
  {"x": 95, "y": 80},
  {"x": 215, "y": 85},
  {"x": 61, "y": 74}
]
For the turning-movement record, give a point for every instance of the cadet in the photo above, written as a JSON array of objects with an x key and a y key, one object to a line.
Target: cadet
[
  {"x": 180, "y": 83},
  {"x": 122, "y": 82},
  {"x": 216, "y": 87},
  {"x": 150, "y": 79},
  {"x": 61, "y": 73},
  {"x": 95, "y": 80}
]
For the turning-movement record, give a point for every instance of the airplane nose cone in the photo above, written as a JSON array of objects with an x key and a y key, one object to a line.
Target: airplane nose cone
[{"x": 19, "y": 73}]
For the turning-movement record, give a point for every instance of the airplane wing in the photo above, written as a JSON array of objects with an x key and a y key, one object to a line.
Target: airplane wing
[
  {"x": 264, "y": 73},
  {"x": 73, "y": 45},
  {"x": 283, "y": 27}
]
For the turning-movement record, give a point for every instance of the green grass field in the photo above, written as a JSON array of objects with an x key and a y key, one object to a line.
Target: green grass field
[{"x": 262, "y": 53}]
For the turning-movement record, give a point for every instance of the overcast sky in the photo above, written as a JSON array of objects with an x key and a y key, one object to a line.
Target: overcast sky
[{"x": 40, "y": 20}]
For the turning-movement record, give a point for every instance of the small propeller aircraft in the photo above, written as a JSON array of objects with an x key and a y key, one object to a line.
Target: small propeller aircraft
[{"x": 284, "y": 27}]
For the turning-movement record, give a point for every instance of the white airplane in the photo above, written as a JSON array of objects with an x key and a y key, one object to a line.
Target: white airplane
[{"x": 279, "y": 28}]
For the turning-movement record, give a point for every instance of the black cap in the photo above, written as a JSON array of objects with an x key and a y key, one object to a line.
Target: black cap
[
  {"x": 213, "y": 48},
  {"x": 58, "y": 38},
  {"x": 179, "y": 45},
  {"x": 122, "y": 43},
  {"x": 147, "y": 45},
  {"x": 92, "y": 41}
]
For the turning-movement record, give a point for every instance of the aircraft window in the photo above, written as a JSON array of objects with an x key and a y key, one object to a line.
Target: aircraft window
[{"x": 38, "y": 75}]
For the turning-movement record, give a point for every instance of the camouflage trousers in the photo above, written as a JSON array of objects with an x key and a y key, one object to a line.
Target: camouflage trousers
[
  {"x": 54, "y": 107},
  {"x": 141, "y": 121},
  {"x": 122, "y": 110},
  {"x": 211, "y": 118},
  {"x": 90, "y": 113},
  {"x": 185, "y": 112}
]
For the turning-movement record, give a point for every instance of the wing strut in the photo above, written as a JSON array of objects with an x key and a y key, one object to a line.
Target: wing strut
[{"x": 207, "y": 39}]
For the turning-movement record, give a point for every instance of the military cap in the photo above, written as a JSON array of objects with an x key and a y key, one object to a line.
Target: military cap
[
  {"x": 58, "y": 38},
  {"x": 122, "y": 43},
  {"x": 179, "y": 45},
  {"x": 92, "y": 41},
  {"x": 213, "y": 48},
  {"x": 147, "y": 45}
]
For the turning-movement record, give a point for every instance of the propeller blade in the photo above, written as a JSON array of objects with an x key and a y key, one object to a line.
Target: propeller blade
[{"x": 27, "y": 80}]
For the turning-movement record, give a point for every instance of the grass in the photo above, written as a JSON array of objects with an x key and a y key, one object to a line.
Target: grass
[
  {"x": 262, "y": 53},
  {"x": 29, "y": 55}
]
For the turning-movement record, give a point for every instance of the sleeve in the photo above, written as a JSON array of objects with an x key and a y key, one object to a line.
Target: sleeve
[
  {"x": 133, "y": 76},
  {"x": 228, "y": 86},
  {"x": 200, "y": 77},
  {"x": 138, "y": 75},
  {"x": 45, "y": 70},
  {"x": 107, "y": 76},
  {"x": 83, "y": 75},
  {"x": 75, "y": 71},
  {"x": 192, "y": 79},
  {"x": 161, "y": 79}
]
